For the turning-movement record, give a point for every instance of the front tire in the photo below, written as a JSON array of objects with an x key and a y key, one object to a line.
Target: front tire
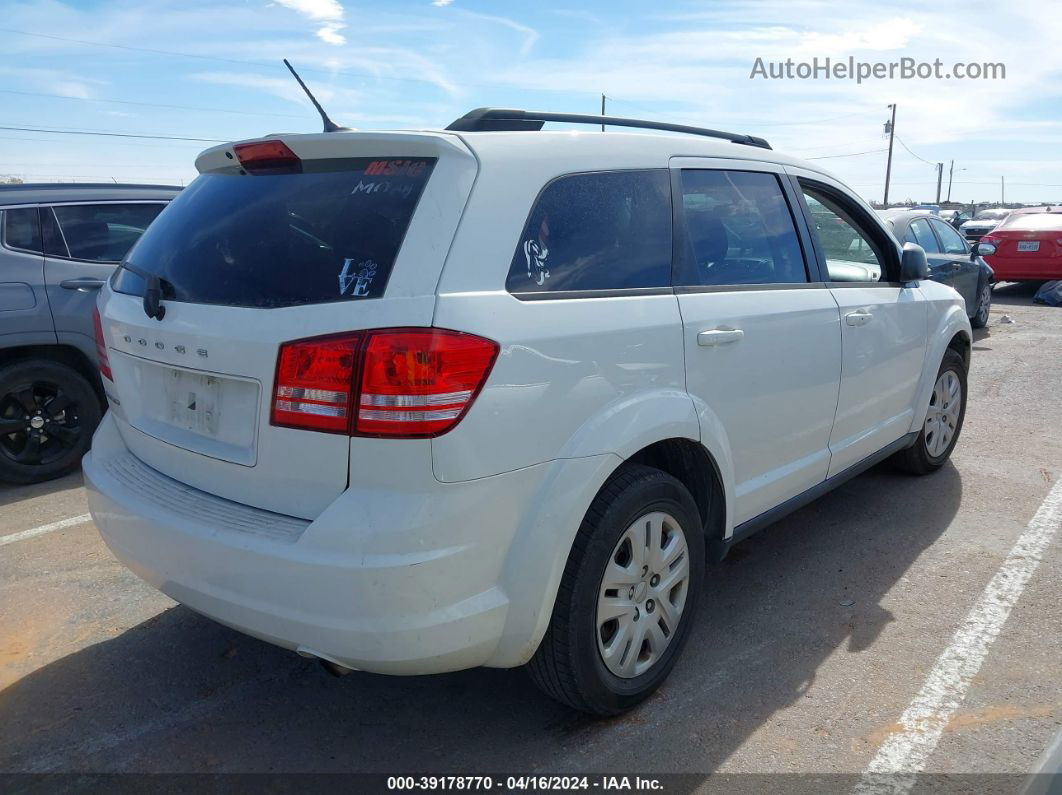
[
  {"x": 627, "y": 597},
  {"x": 943, "y": 423},
  {"x": 984, "y": 305},
  {"x": 48, "y": 412}
]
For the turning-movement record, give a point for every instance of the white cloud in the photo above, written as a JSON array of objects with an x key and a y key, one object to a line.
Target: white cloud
[
  {"x": 330, "y": 34},
  {"x": 328, "y": 12},
  {"x": 441, "y": 3}
]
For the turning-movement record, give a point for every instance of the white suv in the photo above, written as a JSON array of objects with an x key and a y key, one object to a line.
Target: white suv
[{"x": 412, "y": 402}]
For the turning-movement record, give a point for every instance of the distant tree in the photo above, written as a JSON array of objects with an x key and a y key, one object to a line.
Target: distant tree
[{"x": 10, "y": 180}]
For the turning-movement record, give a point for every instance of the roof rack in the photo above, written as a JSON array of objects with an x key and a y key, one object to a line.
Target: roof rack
[{"x": 511, "y": 119}]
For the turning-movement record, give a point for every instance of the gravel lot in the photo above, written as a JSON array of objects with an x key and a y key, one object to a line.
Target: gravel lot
[{"x": 814, "y": 638}]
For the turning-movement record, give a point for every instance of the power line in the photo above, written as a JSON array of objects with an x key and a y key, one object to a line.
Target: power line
[
  {"x": 912, "y": 154},
  {"x": 852, "y": 154},
  {"x": 116, "y": 134},
  {"x": 153, "y": 104}
]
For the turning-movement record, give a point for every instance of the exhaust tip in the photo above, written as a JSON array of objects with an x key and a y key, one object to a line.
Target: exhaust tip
[{"x": 333, "y": 667}]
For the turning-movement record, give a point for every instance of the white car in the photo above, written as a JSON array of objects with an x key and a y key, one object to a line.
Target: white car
[{"x": 413, "y": 402}]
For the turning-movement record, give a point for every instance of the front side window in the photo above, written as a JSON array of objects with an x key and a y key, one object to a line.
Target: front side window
[
  {"x": 596, "y": 231},
  {"x": 740, "y": 230},
  {"x": 921, "y": 233},
  {"x": 952, "y": 240},
  {"x": 22, "y": 229},
  {"x": 851, "y": 253},
  {"x": 102, "y": 232}
]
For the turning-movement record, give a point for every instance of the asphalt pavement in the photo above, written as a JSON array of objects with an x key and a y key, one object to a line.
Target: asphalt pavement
[{"x": 814, "y": 639}]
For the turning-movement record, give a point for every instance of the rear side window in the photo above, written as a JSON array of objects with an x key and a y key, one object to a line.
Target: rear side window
[
  {"x": 740, "y": 230},
  {"x": 22, "y": 229},
  {"x": 331, "y": 233},
  {"x": 596, "y": 231},
  {"x": 99, "y": 232},
  {"x": 922, "y": 234},
  {"x": 952, "y": 240}
]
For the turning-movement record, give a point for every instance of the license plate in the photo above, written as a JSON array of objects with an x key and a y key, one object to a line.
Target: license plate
[
  {"x": 193, "y": 401},
  {"x": 1028, "y": 245}
]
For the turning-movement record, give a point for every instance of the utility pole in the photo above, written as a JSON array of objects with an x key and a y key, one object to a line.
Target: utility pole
[
  {"x": 602, "y": 111},
  {"x": 888, "y": 165},
  {"x": 940, "y": 177},
  {"x": 951, "y": 171},
  {"x": 1002, "y": 190}
]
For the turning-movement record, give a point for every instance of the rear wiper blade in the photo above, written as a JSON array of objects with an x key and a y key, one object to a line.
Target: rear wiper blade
[{"x": 152, "y": 292}]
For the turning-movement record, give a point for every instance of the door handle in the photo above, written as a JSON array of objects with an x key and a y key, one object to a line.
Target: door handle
[
  {"x": 858, "y": 318},
  {"x": 83, "y": 284},
  {"x": 956, "y": 265},
  {"x": 719, "y": 336}
]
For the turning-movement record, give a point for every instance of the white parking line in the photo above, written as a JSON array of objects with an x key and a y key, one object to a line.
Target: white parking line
[
  {"x": 45, "y": 528},
  {"x": 904, "y": 754}
]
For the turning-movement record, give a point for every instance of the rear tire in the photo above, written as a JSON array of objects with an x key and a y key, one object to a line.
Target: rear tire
[
  {"x": 48, "y": 412},
  {"x": 943, "y": 422},
  {"x": 648, "y": 633}
]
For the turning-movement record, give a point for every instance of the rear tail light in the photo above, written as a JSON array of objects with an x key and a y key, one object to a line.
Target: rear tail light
[
  {"x": 413, "y": 382},
  {"x": 101, "y": 346},
  {"x": 268, "y": 157}
]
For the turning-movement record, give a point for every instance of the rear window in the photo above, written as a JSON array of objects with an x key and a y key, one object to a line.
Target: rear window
[
  {"x": 596, "y": 231},
  {"x": 22, "y": 229},
  {"x": 1033, "y": 221},
  {"x": 331, "y": 233}
]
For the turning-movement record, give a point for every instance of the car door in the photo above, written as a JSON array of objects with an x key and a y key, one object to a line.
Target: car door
[
  {"x": 883, "y": 324},
  {"x": 24, "y": 316},
  {"x": 964, "y": 271},
  {"x": 83, "y": 244},
  {"x": 761, "y": 332}
]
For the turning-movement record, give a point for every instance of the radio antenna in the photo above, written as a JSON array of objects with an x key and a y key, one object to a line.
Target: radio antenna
[{"x": 329, "y": 125}]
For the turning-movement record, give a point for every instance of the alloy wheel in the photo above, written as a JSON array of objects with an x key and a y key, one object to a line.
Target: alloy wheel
[
  {"x": 642, "y": 595},
  {"x": 38, "y": 423},
  {"x": 943, "y": 416}
]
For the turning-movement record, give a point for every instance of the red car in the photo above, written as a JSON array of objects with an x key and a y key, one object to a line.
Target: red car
[{"x": 1026, "y": 246}]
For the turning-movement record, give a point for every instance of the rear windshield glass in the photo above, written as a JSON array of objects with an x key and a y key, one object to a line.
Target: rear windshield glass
[
  {"x": 1033, "y": 221},
  {"x": 282, "y": 239}
]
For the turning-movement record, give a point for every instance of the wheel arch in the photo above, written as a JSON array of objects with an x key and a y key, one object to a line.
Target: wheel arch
[
  {"x": 69, "y": 355},
  {"x": 536, "y": 560},
  {"x": 952, "y": 332}
]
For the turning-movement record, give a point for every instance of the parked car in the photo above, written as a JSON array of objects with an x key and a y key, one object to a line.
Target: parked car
[
  {"x": 58, "y": 245},
  {"x": 955, "y": 217},
  {"x": 1027, "y": 246},
  {"x": 983, "y": 223},
  {"x": 951, "y": 260},
  {"x": 412, "y": 402}
]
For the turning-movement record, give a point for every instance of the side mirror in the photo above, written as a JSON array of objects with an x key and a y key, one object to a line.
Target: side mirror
[
  {"x": 985, "y": 248},
  {"x": 913, "y": 264}
]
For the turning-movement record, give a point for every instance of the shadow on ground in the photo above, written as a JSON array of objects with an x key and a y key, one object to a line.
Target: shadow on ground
[
  {"x": 1015, "y": 293},
  {"x": 11, "y": 494},
  {"x": 181, "y": 693}
]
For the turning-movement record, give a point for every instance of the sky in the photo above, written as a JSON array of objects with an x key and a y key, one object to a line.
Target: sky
[{"x": 197, "y": 69}]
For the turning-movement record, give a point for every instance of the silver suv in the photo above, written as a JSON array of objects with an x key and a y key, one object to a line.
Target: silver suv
[{"x": 58, "y": 244}]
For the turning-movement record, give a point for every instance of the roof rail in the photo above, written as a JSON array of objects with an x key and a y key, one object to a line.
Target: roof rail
[{"x": 511, "y": 119}]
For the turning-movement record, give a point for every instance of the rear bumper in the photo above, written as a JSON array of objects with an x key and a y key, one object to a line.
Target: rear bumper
[
  {"x": 1016, "y": 269},
  {"x": 397, "y": 583}
]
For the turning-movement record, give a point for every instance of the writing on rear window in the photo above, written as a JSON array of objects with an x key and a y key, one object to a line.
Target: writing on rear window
[{"x": 396, "y": 168}]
